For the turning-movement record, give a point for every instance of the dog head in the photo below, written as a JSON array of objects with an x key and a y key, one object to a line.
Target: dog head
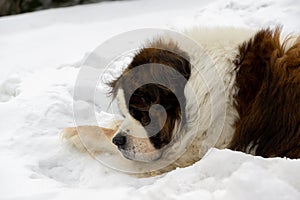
[{"x": 150, "y": 95}]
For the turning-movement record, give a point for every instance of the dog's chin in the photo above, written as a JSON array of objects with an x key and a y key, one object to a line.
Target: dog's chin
[{"x": 142, "y": 157}]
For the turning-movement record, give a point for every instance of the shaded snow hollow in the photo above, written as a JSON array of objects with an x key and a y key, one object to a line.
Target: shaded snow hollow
[{"x": 40, "y": 55}]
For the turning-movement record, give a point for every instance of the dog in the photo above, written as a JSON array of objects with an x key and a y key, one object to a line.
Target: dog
[{"x": 240, "y": 90}]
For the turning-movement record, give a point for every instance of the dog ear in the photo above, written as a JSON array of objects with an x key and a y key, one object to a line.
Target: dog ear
[
  {"x": 160, "y": 61},
  {"x": 164, "y": 52}
]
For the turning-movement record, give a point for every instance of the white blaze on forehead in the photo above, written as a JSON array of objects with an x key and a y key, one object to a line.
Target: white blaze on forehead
[
  {"x": 130, "y": 125},
  {"x": 121, "y": 102}
]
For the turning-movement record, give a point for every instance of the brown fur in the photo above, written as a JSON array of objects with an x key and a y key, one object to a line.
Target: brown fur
[
  {"x": 140, "y": 100},
  {"x": 268, "y": 101}
]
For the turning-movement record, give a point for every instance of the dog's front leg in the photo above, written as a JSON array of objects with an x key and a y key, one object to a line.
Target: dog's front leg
[{"x": 93, "y": 139}]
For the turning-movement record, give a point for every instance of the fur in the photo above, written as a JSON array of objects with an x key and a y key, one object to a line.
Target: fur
[
  {"x": 268, "y": 100},
  {"x": 246, "y": 96}
]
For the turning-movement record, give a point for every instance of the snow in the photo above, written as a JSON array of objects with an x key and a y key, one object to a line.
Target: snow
[{"x": 40, "y": 55}]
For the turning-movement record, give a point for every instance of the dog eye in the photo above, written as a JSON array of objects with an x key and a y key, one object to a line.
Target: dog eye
[
  {"x": 145, "y": 119},
  {"x": 138, "y": 99}
]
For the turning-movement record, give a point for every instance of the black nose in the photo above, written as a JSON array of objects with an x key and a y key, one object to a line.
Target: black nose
[{"x": 119, "y": 139}]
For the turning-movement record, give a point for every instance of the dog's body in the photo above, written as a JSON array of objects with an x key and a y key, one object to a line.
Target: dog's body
[{"x": 245, "y": 96}]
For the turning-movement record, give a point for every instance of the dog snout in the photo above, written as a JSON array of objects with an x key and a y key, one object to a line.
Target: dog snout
[{"x": 120, "y": 139}]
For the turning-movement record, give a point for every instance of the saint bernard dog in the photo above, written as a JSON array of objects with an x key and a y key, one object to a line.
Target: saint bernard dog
[{"x": 260, "y": 74}]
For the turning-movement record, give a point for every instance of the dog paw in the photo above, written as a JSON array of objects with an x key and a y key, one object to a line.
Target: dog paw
[
  {"x": 89, "y": 138},
  {"x": 72, "y": 137}
]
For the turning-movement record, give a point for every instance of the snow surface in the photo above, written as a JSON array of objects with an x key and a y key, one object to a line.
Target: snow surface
[{"x": 40, "y": 55}]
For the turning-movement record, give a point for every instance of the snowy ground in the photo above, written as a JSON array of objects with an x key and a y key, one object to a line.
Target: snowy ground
[{"x": 39, "y": 58}]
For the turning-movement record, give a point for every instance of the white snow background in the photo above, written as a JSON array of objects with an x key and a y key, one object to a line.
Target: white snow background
[{"x": 40, "y": 54}]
